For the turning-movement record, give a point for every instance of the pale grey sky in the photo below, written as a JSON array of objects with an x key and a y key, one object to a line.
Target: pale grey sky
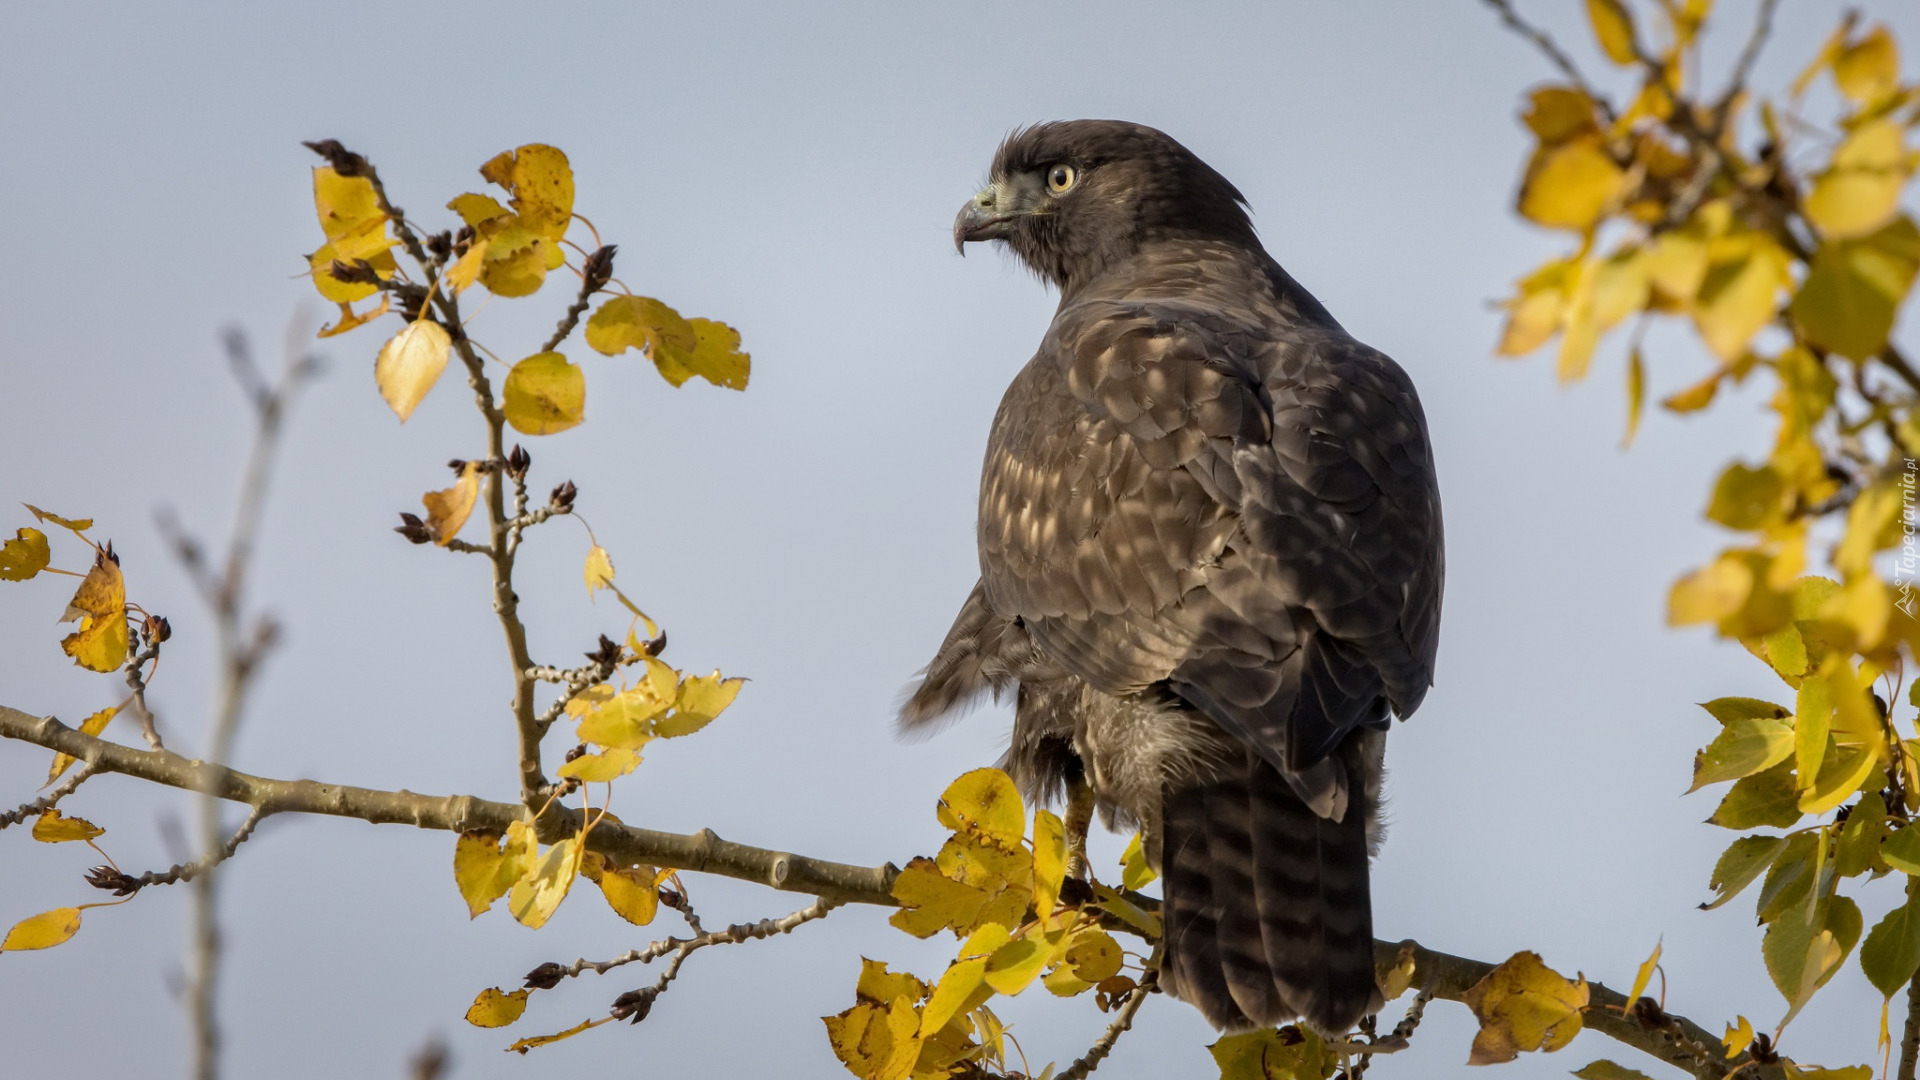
[{"x": 793, "y": 169}]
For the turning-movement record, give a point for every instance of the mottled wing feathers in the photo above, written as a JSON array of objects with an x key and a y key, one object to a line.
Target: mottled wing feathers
[{"x": 1185, "y": 495}]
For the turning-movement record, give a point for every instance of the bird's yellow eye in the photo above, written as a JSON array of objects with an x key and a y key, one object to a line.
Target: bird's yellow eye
[{"x": 1060, "y": 178}]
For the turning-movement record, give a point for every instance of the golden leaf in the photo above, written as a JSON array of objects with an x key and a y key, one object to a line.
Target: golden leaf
[
  {"x": 53, "y": 827},
  {"x": 448, "y": 510},
  {"x": 701, "y": 698},
  {"x": 1855, "y": 287},
  {"x": 633, "y": 892},
  {"x": 101, "y": 606},
  {"x": 880, "y": 986},
  {"x": 1737, "y": 1039},
  {"x": 1636, "y": 394},
  {"x": 349, "y": 320},
  {"x": 1523, "y": 1005},
  {"x": 410, "y": 363},
  {"x": 1571, "y": 185},
  {"x": 1613, "y": 26},
  {"x": 544, "y": 394},
  {"x": 716, "y": 357},
  {"x": 485, "y": 865},
  {"x": 986, "y": 803},
  {"x": 931, "y": 901},
  {"x": 641, "y": 322},
  {"x": 1049, "y": 863},
  {"x": 1644, "y": 976},
  {"x": 92, "y": 725},
  {"x": 958, "y": 992},
  {"x": 1535, "y": 314},
  {"x": 1557, "y": 114},
  {"x": 521, "y": 1046},
  {"x": 1135, "y": 874},
  {"x": 24, "y": 556},
  {"x": 494, "y": 1009},
  {"x": 541, "y": 182},
  {"x": 516, "y": 257},
  {"x": 535, "y": 897},
  {"x": 1745, "y": 273},
  {"x": 624, "y": 721},
  {"x": 599, "y": 569},
  {"x": 1861, "y": 190},
  {"x": 603, "y": 767},
  {"x": 876, "y": 1042},
  {"x": 42, "y": 931},
  {"x": 76, "y": 525},
  {"x": 476, "y": 210},
  {"x": 1710, "y": 594},
  {"x": 1868, "y": 69}
]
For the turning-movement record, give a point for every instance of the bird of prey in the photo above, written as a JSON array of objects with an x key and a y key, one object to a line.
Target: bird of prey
[{"x": 1210, "y": 566}]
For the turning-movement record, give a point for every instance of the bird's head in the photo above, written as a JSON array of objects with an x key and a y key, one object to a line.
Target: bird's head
[{"x": 1073, "y": 197}]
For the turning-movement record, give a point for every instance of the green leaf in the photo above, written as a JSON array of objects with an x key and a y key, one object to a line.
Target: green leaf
[
  {"x": 1728, "y": 709},
  {"x": 1743, "y": 861},
  {"x": 1744, "y": 747},
  {"x": 1607, "y": 1070},
  {"x": 1860, "y": 837},
  {"x": 1765, "y": 798},
  {"x": 1790, "y": 944},
  {"x": 1854, "y": 289},
  {"x": 1902, "y": 850},
  {"x": 1745, "y": 498},
  {"x": 1892, "y": 952},
  {"x": 1789, "y": 880}
]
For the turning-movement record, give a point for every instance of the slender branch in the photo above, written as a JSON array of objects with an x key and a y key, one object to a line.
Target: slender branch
[
  {"x": 1743, "y": 67},
  {"x": 546, "y": 976},
  {"x": 1552, "y": 52},
  {"x": 593, "y": 278},
  {"x": 1910, "y": 1038},
  {"x": 48, "y": 801},
  {"x": 1104, "y": 1044},
  {"x": 180, "y": 872},
  {"x": 137, "y": 692}
]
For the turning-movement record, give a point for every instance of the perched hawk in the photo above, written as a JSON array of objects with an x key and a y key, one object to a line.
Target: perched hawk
[{"x": 1210, "y": 565}]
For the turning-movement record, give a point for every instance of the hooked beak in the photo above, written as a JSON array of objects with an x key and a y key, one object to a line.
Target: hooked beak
[{"x": 986, "y": 216}]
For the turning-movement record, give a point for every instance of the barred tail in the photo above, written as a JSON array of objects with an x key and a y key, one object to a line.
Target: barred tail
[{"x": 1267, "y": 915}]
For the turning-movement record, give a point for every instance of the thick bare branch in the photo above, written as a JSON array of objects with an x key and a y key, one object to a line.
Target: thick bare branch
[{"x": 703, "y": 852}]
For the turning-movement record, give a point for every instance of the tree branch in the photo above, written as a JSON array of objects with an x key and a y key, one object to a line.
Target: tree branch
[
  {"x": 1103, "y": 1046},
  {"x": 1552, "y": 51},
  {"x": 702, "y": 852},
  {"x": 48, "y": 801}
]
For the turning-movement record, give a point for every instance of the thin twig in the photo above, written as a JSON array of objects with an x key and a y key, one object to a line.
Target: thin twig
[
  {"x": 184, "y": 872},
  {"x": 137, "y": 693},
  {"x": 48, "y": 801},
  {"x": 593, "y": 278},
  {"x": 1910, "y": 1038},
  {"x": 1552, "y": 51},
  {"x": 1743, "y": 67},
  {"x": 732, "y": 935},
  {"x": 1103, "y": 1046}
]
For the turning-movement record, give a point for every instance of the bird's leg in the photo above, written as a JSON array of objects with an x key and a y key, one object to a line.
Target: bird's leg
[{"x": 1079, "y": 818}]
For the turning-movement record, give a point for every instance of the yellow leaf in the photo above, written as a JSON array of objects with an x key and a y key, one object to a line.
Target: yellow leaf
[
  {"x": 625, "y": 721},
  {"x": 344, "y": 204},
  {"x": 541, "y": 181},
  {"x": 101, "y": 606},
  {"x": 1118, "y": 906},
  {"x": 516, "y": 259},
  {"x": 52, "y": 827},
  {"x": 1523, "y": 1005},
  {"x": 1746, "y": 746},
  {"x": 494, "y": 1009},
  {"x": 1535, "y": 314},
  {"x": 1571, "y": 185},
  {"x": 1861, "y": 190},
  {"x": 92, "y": 725},
  {"x": 984, "y": 802},
  {"x": 448, "y": 510},
  {"x": 410, "y": 363},
  {"x": 1710, "y": 594},
  {"x": 1746, "y": 498},
  {"x": 599, "y": 569},
  {"x": 371, "y": 246},
  {"x": 1745, "y": 275},
  {"x": 602, "y": 767},
  {"x": 534, "y": 898},
  {"x": 76, "y": 525},
  {"x": 1135, "y": 874},
  {"x": 1854, "y": 289},
  {"x": 1645, "y": 976},
  {"x": 466, "y": 269},
  {"x": 876, "y": 1042},
  {"x": 1399, "y": 978},
  {"x": 485, "y": 865},
  {"x": 641, "y": 322},
  {"x": 1613, "y": 26},
  {"x": 1636, "y": 394},
  {"x": 1737, "y": 1039},
  {"x": 633, "y": 892},
  {"x": 958, "y": 987},
  {"x": 1017, "y": 963},
  {"x": 1049, "y": 863},
  {"x": 521, "y": 1046},
  {"x": 544, "y": 394},
  {"x": 1824, "y": 58},
  {"x": 1677, "y": 261},
  {"x": 1093, "y": 955},
  {"x": 476, "y": 210},
  {"x": 931, "y": 901},
  {"x": 24, "y": 556},
  {"x": 702, "y": 698},
  {"x": 716, "y": 357},
  {"x": 349, "y": 320},
  {"x": 42, "y": 931},
  {"x": 880, "y": 986},
  {"x": 1558, "y": 113},
  {"x": 1868, "y": 69}
]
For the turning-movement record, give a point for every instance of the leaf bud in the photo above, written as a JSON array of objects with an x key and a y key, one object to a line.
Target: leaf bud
[
  {"x": 563, "y": 497},
  {"x": 518, "y": 461},
  {"x": 158, "y": 629},
  {"x": 413, "y": 529},
  {"x": 634, "y": 1004},
  {"x": 113, "y": 881},
  {"x": 546, "y": 976},
  {"x": 344, "y": 161},
  {"x": 598, "y": 269}
]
